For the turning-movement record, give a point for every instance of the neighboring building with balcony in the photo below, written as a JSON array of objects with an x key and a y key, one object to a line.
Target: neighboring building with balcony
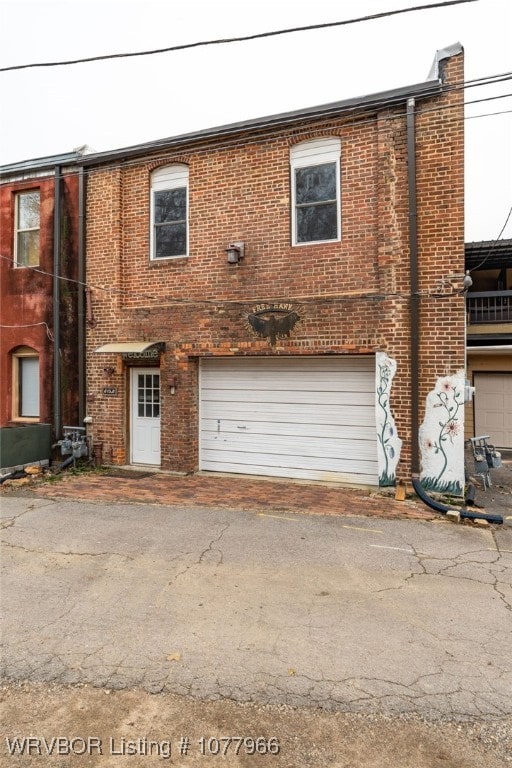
[{"x": 489, "y": 340}]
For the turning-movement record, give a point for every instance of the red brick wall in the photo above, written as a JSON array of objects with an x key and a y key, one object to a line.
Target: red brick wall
[{"x": 353, "y": 296}]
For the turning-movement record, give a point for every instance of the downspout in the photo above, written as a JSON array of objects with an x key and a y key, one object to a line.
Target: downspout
[
  {"x": 81, "y": 312},
  {"x": 56, "y": 303},
  {"x": 413, "y": 266},
  {"x": 415, "y": 332}
]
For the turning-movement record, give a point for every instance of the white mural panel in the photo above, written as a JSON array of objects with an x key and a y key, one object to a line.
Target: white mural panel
[
  {"x": 442, "y": 437},
  {"x": 389, "y": 444}
]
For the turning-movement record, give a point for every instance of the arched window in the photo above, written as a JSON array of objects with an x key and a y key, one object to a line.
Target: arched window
[
  {"x": 25, "y": 389},
  {"x": 315, "y": 182},
  {"x": 169, "y": 212}
]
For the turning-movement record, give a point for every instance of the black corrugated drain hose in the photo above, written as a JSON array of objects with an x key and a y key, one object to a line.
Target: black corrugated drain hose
[{"x": 465, "y": 514}]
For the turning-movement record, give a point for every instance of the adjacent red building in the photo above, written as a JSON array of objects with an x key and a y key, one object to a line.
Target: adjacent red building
[{"x": 39, "y": 279}]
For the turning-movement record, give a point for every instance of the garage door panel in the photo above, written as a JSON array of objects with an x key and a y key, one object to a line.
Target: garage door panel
[
  {"x": 296, "y": 364},
  {"x": 300, "y": 429},
  {"x": 351, "y": 477},
  {"x": 302, "y": 413},
  {"x": 311, "y": 418},
  {"x": 285, "y": 462},
  {"x": 291, "y": 446},
  {"x": 308, "y": 397},
  {"x": 290, "y": 381}
]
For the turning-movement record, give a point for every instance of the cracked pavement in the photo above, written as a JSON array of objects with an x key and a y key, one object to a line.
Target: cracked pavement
[{"x": 346, "y": 614}]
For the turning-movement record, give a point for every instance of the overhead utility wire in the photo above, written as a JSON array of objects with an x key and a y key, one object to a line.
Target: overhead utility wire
[
  {"x": 489, "y": 114},
  {"x": 495, "y": 242},
  {"x": 283, "y": 132},
  {"x": 176, "y": 301},
  {"x": 242, "y": 38}
]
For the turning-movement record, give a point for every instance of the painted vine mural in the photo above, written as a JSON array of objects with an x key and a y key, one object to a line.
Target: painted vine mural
[
  {"x": 388, "y": 442},
  {"x": 442, "y": 437}
]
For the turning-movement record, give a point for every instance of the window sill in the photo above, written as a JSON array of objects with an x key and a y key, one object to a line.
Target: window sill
[
  {"x": 316, "y": 242},
  {"x": 25, "y": 420},
  {"x": 167, "y": 260}
]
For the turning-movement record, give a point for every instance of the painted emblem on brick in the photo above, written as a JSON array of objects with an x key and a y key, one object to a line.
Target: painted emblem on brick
[{"x": 273, "y": 321}]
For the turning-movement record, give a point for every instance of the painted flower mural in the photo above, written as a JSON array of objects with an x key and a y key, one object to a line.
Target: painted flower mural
[
  {"x": 442, "y": 437},
  {"x": 389, "y": 444}
]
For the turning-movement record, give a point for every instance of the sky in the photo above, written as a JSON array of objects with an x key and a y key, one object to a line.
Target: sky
[{"x": 127, "y": 101}]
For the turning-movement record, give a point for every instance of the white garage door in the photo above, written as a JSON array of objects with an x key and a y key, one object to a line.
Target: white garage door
[
  {"x": 310, "y": 418},
  {"x": 493, "y": 407}
]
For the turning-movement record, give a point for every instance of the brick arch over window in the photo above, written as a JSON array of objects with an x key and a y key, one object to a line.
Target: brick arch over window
[
  {"x": 169, "y": 212},
  {"x": 25, "y": 384},
  {"x": 327, "y": 133},
  {"x": 316, "y": 194},
  {"x": 176, "y": 159}
]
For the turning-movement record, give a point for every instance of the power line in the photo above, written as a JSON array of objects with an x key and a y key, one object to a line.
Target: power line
[
  {"x": 242, "y": 38},
  {"x": 317, "y": 126},
  {"x": 489, "y": 114},
  {"x": 175, "y": 301},
  {"x": 32, "y": 325},
  {"x": 284, "y": 132},
  {"x": 494, "y": 243},
  {"x": 163, "y": 149}
]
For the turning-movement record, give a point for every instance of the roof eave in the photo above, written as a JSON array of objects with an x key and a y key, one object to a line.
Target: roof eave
[{"x": 372, "y": 101}]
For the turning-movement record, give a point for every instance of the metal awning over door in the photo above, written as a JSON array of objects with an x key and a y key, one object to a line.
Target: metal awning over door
[
  {"x": 127, "y": 347},
  {"x": 310, "y": 417}
]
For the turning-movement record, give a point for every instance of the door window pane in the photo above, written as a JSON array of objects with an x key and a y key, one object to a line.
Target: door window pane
[{"x": 148, "y": 395}]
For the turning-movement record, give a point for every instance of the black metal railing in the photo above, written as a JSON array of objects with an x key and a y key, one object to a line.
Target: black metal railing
[{"x": 489, "y": 307}]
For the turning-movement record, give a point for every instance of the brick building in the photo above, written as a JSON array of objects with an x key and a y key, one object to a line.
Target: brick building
[
  {"x": 253, "y": 288},
  {"x": 39, "y": 265}
]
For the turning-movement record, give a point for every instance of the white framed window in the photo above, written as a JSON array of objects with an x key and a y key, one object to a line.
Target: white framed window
[
  {"x": 25, "y": 389},
  {"x": 316, "y": 198},
  {"x": 169, "y": 212},
  {"x": 26, "y": 228}
]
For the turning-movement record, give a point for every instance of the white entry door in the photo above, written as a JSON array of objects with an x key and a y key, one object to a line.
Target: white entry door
[{"x": 145, "y": 416}]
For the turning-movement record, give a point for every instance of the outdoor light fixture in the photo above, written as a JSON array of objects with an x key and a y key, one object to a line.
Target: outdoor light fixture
[{"x": 235, "y": 252}]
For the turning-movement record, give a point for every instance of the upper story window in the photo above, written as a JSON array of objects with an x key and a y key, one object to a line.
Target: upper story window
[
  {"x": 26, "y": 228},
  {"x": 25, "y": 390},
  {"x": 316, "y": 209},
  {"x": 169, "y": 212}
]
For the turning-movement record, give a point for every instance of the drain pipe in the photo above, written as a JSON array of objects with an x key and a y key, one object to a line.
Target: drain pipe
[
  {"x": 415, "y": 333},
  {"x": 81, "y": 307},
  {"x": 414, "y": 282},
  {"x": 56, "y": 304}
]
